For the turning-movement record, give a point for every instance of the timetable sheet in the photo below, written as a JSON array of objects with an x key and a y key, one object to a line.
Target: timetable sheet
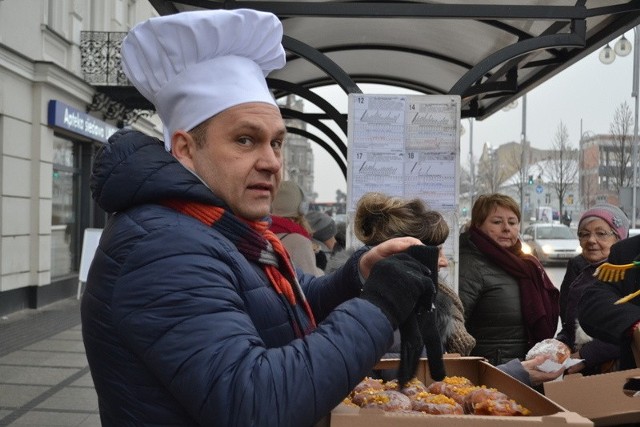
[{"x": 405, "y": 145}]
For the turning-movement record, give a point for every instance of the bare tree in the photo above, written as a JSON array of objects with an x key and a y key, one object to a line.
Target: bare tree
[
  {"x": 562, "y": 168},
  {"x": 490, "y": 173},
  {"x": 618, "y": 155},
  {"x": 465, "y": 181},
  {"x": 515, "y": 161}
]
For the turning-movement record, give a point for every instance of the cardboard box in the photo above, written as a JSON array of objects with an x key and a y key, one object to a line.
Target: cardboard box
[
  {"x": 601, "y": 398},
  {"x": 606, "y": 399},
  {"x": 544, "y": 411}
]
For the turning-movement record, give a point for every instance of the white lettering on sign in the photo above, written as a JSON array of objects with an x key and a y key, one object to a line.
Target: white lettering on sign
[
  {"x": 94, "y": 129},
  {"x": 73, "y": 120}
]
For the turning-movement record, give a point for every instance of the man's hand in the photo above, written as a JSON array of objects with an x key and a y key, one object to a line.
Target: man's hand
[{"x": 383, "y": 250}]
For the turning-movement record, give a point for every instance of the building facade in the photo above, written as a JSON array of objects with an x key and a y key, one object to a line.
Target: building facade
[
  {"x": 56, "y": 57},
  {"x": 499, "y": 171},
  {"x": 49, "y": 133},
  {"x": 600, "y": 170},
  {"x": 298, "y": 154}
]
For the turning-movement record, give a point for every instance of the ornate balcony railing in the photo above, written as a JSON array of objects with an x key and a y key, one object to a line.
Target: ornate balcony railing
[
  {"x": 100, "y": 53},
  {"x": 116, "y": 98}
]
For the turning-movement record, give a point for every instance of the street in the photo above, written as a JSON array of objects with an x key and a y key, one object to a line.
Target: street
[{"x": 556, "y": 273}]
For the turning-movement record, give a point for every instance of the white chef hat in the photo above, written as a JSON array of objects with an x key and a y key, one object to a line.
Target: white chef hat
[{"x": 193, "y": 65}]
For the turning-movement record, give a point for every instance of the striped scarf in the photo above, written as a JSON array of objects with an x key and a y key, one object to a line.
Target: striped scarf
[{"x": 254, "y": 240}]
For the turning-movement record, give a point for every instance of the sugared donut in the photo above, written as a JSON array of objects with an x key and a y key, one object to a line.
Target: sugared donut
[
  {"x": 387, "y": 400},
  {"x": 557, "y": 351},
  {"x": 479, "y": 395},
  {"x": 504, "y": 407},
  {"x": 435, "y": 404}
]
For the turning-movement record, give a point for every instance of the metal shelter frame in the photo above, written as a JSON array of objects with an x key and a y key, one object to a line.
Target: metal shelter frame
[{"x": 490, "y": 54}]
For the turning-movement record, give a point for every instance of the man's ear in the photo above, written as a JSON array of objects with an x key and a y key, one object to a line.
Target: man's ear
[{"x": 183, "y": 148}]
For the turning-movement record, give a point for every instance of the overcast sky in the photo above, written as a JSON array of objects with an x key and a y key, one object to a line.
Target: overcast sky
[{"x": 589, "y": 91}]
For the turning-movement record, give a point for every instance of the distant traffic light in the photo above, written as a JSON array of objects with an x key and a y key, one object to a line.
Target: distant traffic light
[{"x": 530, "y": 179}]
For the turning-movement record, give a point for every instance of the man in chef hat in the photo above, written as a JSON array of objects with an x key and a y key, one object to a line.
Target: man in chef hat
[{"x": 193, "y": 314}]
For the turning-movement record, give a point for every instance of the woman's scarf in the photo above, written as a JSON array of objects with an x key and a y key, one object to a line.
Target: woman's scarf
[
  {"x": 286, "y": 225},
  {"x": 254, "y": 240},
  {"x": 539, "y": 298}
]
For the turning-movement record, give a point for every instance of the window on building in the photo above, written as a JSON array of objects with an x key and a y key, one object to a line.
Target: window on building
[
  {"x": 56, "y": 13},
  {"x": 64, "y": 208}
]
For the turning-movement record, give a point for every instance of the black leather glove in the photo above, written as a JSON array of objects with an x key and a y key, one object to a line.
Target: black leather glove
[
  {"x": 395, "y": 285},
  {"x": 420, "y": 328}
]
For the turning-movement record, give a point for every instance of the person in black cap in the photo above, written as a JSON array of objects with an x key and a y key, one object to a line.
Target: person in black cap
[
  {"x": 193, "y": 313},
  {"x": 324, "y": 236}
]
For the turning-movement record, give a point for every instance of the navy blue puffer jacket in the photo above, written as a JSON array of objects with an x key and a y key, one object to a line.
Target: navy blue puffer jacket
[{"x": 181, "y": 330}]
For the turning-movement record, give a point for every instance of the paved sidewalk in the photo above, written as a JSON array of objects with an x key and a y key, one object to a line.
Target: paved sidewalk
[{"x": 44, "y": 375}]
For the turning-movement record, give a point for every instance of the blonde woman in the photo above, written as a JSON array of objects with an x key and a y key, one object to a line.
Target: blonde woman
[{"x": 380, "y": 217}]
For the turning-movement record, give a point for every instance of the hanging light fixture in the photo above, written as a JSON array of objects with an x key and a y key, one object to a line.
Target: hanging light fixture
[
  {"x": 607, "y": 55},
  {"x": 622, "y": 46}
]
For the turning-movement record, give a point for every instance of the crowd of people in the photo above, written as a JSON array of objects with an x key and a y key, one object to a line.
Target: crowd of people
[{"x": 214, "y": 293}]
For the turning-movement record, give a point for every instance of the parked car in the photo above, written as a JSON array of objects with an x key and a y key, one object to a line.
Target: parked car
[{"x": 552, "y": 243}]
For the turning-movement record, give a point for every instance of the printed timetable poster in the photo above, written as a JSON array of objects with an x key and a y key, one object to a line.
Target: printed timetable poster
[{"x": 407, "y": 146}]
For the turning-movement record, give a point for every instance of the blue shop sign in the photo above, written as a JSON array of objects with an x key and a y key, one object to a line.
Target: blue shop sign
[{"x": 66, "y": 117}]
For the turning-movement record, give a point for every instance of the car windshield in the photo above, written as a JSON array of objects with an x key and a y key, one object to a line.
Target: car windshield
[{"x": 555, "y": 233}]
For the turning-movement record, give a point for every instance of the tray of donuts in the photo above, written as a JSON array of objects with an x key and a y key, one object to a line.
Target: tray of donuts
[{"x": 473, "y": 393}]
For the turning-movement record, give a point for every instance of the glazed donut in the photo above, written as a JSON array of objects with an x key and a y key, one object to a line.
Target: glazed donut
[
  {"x": 456, "y": 389},
  {"x": 504, "y": 407},
  {"x": 391, "y": 385},
  {"x": 479, "y": 395},
  {"x": 363, "y": 396},
  {"x": 452, "y": 395},
  {"x": 557, "y": 351},
  {"x": 435, "y": 404},
  {"x": 368, "y": 383},
  {"x": 413, "y": 387},
  {"x": 387, "y": 400},
  {"x": 457, "y": 381}
]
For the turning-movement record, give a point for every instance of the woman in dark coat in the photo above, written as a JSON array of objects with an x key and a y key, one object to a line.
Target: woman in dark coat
[
  {"x": 598, "y": 229},
  {"x": 509, "y": 301},
  {"x": 614, "y": 323}
]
